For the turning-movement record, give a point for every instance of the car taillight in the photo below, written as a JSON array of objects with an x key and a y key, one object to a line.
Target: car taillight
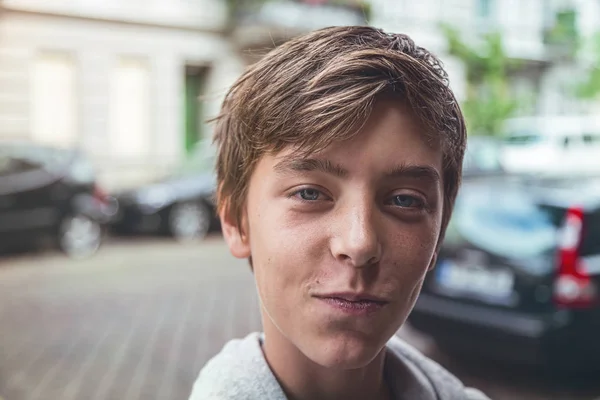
[
  {"x": 100, "y": 195},
  {"x": 573, "y": 287}
]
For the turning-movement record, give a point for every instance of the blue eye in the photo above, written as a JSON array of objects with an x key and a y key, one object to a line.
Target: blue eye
[
  {"x": 308, "y": 194},
  {"x": 406, "y": 201}
]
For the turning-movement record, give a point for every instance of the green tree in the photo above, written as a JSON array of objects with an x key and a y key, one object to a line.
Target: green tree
[
  {"x": 589, "y": 88},
  {"x": 488, "y": 100}
]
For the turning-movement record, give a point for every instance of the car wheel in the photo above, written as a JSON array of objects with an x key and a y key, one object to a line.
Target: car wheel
[
  {"x": 189, "y": 221},
  {"x": 79, "y": 236}
]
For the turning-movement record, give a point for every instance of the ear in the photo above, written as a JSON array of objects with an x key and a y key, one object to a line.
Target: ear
[
  {"x": 236, "y": 238},
  {"x": 433, "y": 261}
]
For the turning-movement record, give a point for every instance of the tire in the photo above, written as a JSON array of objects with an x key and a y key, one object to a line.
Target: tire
[
  {"x": 189, "y": 221},
  {"x": 79, "y": 236}
]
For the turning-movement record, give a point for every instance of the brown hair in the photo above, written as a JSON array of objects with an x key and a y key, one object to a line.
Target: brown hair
[{"x": 320, "y": 88}]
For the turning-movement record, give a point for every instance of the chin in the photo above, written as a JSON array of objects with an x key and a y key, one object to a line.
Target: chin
[{"x": 344, "y": 351}]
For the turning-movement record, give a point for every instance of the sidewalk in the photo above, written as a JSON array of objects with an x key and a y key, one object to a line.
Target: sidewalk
[{"x": 128, "y": 324}]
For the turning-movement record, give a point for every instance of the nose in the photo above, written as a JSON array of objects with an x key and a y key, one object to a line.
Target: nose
[{"x": 355, "y": 240}]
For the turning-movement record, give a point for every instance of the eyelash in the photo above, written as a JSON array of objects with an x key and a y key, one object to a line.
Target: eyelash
[
  {"x": 296, "y": 194},
  {"x": 421, "y": 204}
]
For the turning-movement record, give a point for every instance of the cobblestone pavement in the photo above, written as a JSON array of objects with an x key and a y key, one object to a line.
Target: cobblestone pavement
[{"x": 138, "y": 320}]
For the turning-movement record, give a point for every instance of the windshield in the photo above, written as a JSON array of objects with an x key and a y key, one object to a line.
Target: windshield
[
  {"x": 25, "y": 158},
  {"x": 504, "y": 223}
]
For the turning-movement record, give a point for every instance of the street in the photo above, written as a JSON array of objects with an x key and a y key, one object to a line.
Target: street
[{"x": 138, "y": 320}]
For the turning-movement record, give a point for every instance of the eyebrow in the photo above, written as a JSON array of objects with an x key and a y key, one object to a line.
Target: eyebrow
[
  {"x": 309, "y": 165},
  {"x": 415, "y": 171},
  {"x": 315, "y": 164}
]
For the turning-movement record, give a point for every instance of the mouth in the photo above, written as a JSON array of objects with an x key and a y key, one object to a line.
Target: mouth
[
  {"x": 353, "y": 297},
  {"x": 354, "y": 303}
]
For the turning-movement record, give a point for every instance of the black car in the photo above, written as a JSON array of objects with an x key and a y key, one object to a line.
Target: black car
[
  {"x": 518, "y": 275},
  {"x": 50, "y": 193},
  {"x": 181, "y": 205}
]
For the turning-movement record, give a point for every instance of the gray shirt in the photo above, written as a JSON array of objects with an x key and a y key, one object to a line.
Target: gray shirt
[{"x": 240, "y": 372}]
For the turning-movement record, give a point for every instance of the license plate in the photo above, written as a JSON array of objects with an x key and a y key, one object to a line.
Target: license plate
[{"x": 480, "y": 280}]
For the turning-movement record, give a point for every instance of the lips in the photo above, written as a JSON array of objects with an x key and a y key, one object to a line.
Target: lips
[
  {"x": 353, "y": 303},
  {"x": 354, "y": 297}
]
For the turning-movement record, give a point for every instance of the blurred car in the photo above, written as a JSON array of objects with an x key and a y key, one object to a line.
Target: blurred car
[
  {"x": 482, "y": 158},
  {"x": 518, "y": 274},
  {"x": 553, "y": 145},
  {"x": 180, "y": 205},
  {"x": 48, "y": 192}
]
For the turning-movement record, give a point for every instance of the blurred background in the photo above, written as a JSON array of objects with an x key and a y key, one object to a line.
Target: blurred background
[{"x": 114, "y": 280}]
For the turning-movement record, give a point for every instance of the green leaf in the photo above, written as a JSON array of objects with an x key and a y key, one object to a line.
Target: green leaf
[{"x": 489, "y": 101}]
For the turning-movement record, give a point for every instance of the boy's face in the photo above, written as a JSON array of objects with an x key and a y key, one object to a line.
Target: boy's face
[{"x": 358, "y": 221}]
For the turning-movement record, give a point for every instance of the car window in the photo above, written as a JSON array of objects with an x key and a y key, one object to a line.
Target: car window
[
  {"x": 591, "y": 239},
  {"x": 591, "y": 139},
  {"x": 31, "y": 157},
  {"x": 81, "y": 170},
  {"x": 523, "y": 139},
  {"x": 505, "y": 223},
  {"x": 53, "y": 160},
  {"x": 483, "y": 157},
  {"x": 11, "y": 165}
]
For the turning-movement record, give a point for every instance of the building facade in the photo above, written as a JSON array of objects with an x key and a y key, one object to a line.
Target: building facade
[
  {"x": 130, "y": 83},
  {"x": 545, "y": 72},
  {"x": 547, "y": 64}
]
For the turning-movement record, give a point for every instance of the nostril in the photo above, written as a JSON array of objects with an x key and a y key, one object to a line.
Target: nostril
[
  {"x": 357, "y": 262},
  {"x": 372, "y": 260},
  {"x": 344, "y": 257}
]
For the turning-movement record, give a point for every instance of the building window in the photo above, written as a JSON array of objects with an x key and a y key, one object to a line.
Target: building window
[
  {"x": 54, "y": 102},
  {"x": 484, "y": 8},
  {"x": 129, "y": 113}
]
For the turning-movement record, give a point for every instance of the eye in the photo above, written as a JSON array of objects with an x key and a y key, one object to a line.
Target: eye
[
  {"x": 308, "y": 194},
  {"x": 406, "y": 201}
]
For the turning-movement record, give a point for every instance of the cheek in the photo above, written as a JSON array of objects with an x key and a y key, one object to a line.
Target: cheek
[
  {"x": 412, "y": 252},
  {"x": 285, "y": 252},
  {"x": 280, "y": 232}
]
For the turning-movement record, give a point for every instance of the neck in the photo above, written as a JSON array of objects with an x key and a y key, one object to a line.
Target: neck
[{"x": 302, "y": 379}]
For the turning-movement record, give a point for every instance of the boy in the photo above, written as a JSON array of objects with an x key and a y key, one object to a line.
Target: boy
[{"x": 339, "y": 160}]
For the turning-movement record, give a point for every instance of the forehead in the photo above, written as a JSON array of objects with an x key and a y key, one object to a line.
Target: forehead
[
  {"x": 391, "y": 137},
  {"x": 393, "y": 120}
]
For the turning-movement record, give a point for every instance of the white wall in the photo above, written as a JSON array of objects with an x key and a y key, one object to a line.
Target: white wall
[
  {"x": 96, "y": 48},
  {"x": 209, "y": 14}
]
